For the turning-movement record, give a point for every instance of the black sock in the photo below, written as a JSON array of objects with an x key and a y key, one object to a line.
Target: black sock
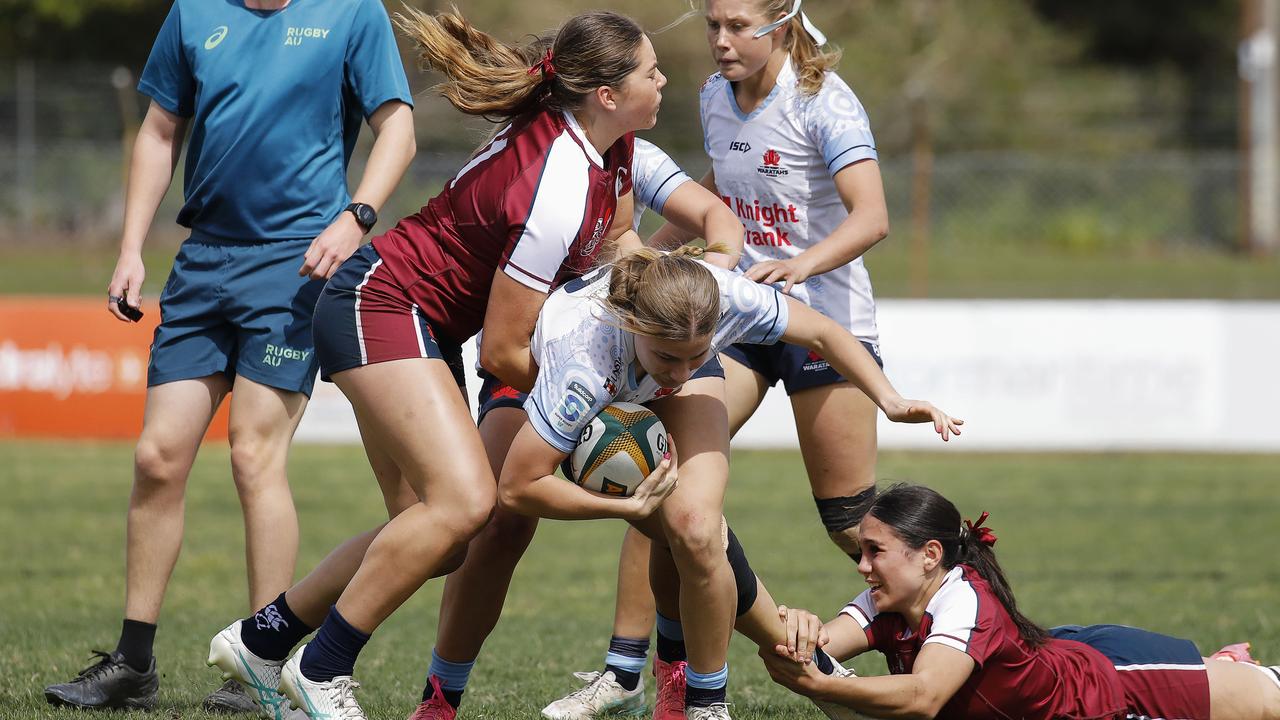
[
  {"x": 824, "y": 661},
  {"x": 453, "y": 697},
  {"x": 628, "y": 652},
  {"x": 333, "y": 653},
  {"x": 704, "y": 697},
  {"x": 273, "y": 631},
  {"x": 136, "y": 640}
]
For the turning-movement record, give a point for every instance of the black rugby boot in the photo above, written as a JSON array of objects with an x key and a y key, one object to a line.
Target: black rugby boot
[{"x": 108, "y": 684}]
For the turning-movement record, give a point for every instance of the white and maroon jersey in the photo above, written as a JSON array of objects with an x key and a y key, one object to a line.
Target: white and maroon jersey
[
  {"x": 585, "y": 361},
  {"x": 535, "y": 202},
  {"x": 1060, "y": 679},
  {"x": 775, "y": 167},
  {"x": 654, "y": 176}
]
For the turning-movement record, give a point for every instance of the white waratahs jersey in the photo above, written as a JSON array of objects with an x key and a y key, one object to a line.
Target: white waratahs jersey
[
  {"x": 654, "y": 176},
  {"x": 774, "y": 169},
  {"x": 585, "y": 361}
]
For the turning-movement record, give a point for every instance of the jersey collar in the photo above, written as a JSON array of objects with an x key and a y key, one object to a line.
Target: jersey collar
[{"x": 581, "y": 136}]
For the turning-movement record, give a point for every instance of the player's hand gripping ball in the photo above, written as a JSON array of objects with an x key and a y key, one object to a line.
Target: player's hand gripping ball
[{"x": 618, "y": 450}]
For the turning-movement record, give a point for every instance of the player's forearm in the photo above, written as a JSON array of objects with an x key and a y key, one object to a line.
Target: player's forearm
[
  {"x": 513, "y": 364},
  {"x": 882, "y": 696},
  {"x": 557, "y": 499},
  {"x": 393, "y": 149},
  {"x": 858, "y": 233},
  {"x": 155, "y": 154},
  {"x": 721, "y": 227},
  {"x": 817, "y": 332}
]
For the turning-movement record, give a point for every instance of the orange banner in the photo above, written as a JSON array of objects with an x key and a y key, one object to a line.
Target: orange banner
[{"x": 68, "y": 369}]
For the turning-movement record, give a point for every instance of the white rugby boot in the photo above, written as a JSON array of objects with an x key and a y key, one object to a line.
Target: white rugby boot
[
  {"x": 332, "y": 700},
  {"x": 601, "y": 694},
  {"x": 714, "y": 711},
  {"x": 260, "y": 678},
  {"x": 833, "y": 710}
]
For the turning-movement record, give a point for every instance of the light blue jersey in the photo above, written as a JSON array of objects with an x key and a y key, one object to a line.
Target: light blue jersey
[
  {"x": 276, "y": 100},
  {"x": 585, "y": 361}
]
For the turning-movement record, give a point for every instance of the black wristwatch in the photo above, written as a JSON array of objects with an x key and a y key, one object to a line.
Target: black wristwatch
[{"x": 366, "y": 216}]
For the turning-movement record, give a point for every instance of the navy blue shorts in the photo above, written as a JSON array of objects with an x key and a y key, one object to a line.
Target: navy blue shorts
[
  {"x": 798, "y": 368},
  {"x": 363, "y": 317},
  {"x": 1162, "y": 676},
  {"x": 237, "y": 308},
  {"x": 496, "y": 394}
]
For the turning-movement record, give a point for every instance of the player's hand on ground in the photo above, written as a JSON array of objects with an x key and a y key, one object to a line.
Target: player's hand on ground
[
  {"x": 801, "y": 678},
  {"x": 655, "y": 488},
  {"x": 126, "y": 282},
  {"x": 332, "y": 247},
  {"x": 789, "y": 272},
  {"x": 804, "y": 633},
  {"x": 922, "y": 411}
]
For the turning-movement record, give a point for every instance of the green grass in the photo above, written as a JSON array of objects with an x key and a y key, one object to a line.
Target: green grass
[
  {"x": 1182, "y": 544},
  {"x": 994, "y": 271}
]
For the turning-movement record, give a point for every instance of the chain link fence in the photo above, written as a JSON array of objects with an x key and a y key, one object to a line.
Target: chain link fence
[{"x": 62, "y": 173}]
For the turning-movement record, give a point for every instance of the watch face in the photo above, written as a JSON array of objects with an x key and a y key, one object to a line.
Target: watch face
[{"x": 364, "y": 215}]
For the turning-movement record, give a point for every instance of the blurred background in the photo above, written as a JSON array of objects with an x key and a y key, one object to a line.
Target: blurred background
[{"x": 1030, "y": 148}]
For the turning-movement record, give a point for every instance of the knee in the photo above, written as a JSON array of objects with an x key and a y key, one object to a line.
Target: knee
[
  {"x": 158, "y": 468},
  {"x": 252, "y": 459},
  {"x": 466, "y": 512},
  {"x": 697, "y": 536},
  {"x": 508, "y": 534}
]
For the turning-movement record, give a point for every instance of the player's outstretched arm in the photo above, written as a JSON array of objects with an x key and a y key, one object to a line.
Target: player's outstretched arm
[
  {"x": 938, "y": 673},
  {"x": 813, "y": 330},
  {"x": 155, "y": 155},
  {"x": 529, "y": 486}
]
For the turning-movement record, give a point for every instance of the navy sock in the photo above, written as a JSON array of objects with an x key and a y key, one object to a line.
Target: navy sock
[
  {"x": 136, "y": 640},
  {"x": 704, "y": 697},
  {"x": 824, "y": 661},
  {"x": 626, "y": 659},
  {"x": 273, "y": 631},
  {"x": 453, "y": 697},
  {"x": 333, "y": 653},
  {"x": 670, "y": 640}
]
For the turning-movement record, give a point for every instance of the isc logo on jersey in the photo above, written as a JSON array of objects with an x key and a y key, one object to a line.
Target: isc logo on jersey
[{"x": 618, "y": 450}]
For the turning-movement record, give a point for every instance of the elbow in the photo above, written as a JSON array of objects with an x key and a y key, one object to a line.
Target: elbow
[
  {"x": 879, "y": 230},
  {"x": 509, "y": 498},
  {"x": 924, "y": 705},
  {"x": 491, "y": 360}
]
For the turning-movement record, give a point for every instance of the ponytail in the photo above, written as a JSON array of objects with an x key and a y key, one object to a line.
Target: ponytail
[
  {"x": 665, "y": 295},
  {"x": 486, "y": 77},
  {"x": 918, "y": 514}
]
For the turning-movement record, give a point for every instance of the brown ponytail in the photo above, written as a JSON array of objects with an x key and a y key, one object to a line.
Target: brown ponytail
[
  {"x": 665, "y": 295},
  {"x": 499, "y": 81}
]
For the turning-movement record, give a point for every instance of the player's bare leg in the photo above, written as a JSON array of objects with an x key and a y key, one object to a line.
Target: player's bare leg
[
  {"x": 836, "y": 425},
  {"x": 1242, "y": 691},
  {"x": 691, "y": 519}
]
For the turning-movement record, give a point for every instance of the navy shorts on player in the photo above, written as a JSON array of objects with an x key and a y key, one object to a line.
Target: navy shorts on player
[
  {"x": 364, "y": 317},
  {"x": 237, "y": 308},
  {"x": 797, "y": 367},
  {"x": 1163, "y": 677},
  {"x": 496, "y": 394}
]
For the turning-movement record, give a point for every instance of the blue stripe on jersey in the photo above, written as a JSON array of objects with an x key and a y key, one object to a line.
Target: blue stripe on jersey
[{"x": 871, "y": 155}]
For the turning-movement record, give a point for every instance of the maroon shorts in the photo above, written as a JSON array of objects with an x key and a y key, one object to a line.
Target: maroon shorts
[{"x": 364, "y": 317}]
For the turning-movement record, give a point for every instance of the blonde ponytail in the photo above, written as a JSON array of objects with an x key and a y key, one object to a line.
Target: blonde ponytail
[{"x": 669, "y": 296}]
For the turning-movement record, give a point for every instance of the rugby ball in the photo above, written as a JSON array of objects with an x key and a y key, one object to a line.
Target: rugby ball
[{"x": 618, "y": 450}]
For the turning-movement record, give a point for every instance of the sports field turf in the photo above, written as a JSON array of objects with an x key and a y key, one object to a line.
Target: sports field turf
[{"x": 1187, "y": 545}]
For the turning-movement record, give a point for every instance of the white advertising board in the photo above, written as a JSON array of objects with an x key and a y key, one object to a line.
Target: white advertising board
[{"x": 1042, "y": 375}]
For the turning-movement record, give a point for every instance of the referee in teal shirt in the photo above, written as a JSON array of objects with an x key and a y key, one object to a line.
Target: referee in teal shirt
[{"x": 272, "y": 94}]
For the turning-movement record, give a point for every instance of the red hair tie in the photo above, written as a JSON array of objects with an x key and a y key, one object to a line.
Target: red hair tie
[
  {"x": 983, "y": 534},
  {"x": 548, "y": 70}
]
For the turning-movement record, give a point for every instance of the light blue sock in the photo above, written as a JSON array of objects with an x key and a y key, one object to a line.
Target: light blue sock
[
  {"x": 709, "y": 681},
  {"x": 453, "y": 676},
  {"x": 670, "y": 628}
]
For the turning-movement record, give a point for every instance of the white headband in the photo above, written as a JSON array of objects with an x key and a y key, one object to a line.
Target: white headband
[{"x": 809, "y": 27}]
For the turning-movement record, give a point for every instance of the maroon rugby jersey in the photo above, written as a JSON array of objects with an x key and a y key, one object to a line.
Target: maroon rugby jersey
[
  {"x": 1061, "y": 679},
  {"x": 536, "y": 202}
]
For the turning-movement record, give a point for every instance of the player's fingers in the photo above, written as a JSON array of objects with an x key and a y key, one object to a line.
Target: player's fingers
[
  {"x": 759, "y": 270},
  {"x": 792, "y": 630},
  {"x": 782, "y": 613},
  {"x": 671, "y": 451},
  {"x": 324, "y": 268}
]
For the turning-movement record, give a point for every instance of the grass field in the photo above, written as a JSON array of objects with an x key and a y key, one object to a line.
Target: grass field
[
  {"x": 994, "y": 271},
  {"x": 1185, "y": 545}
]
